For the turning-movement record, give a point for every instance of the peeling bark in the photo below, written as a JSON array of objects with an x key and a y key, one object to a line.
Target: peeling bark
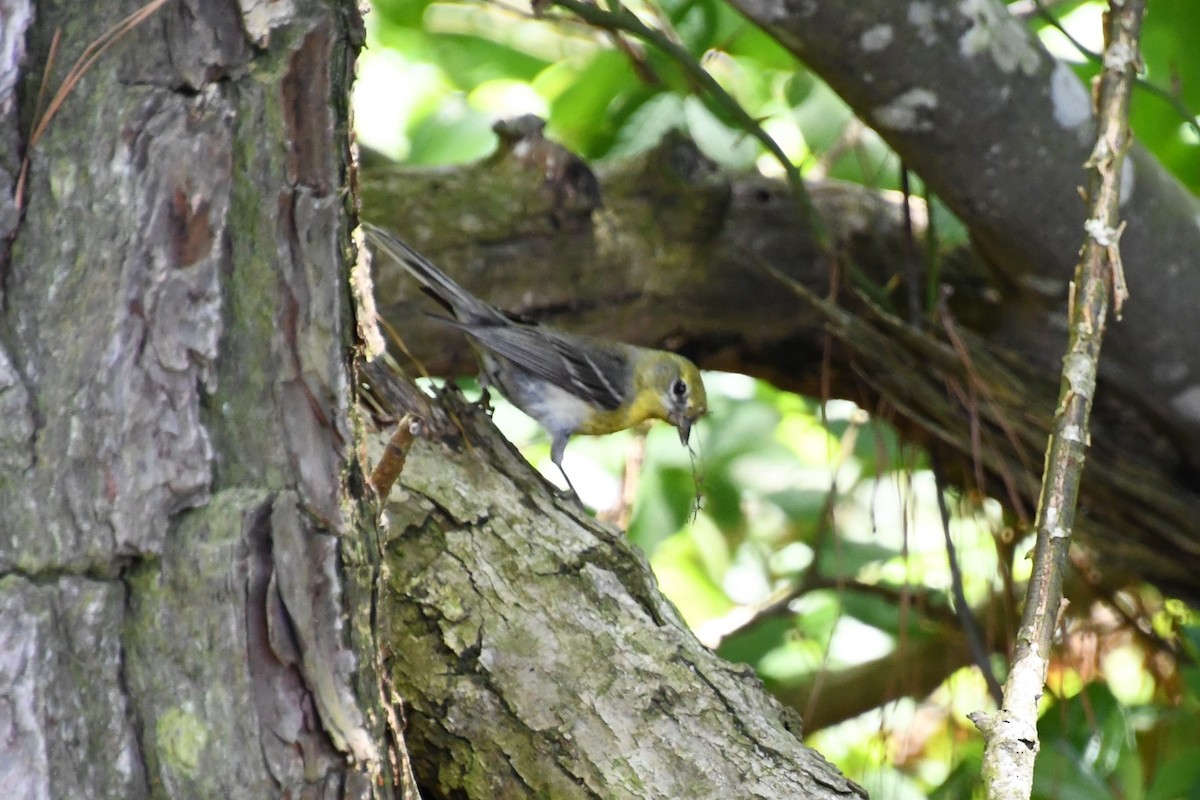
[
  {"x": 67, "y": 728},
  {"x": 175, "y": 401}
]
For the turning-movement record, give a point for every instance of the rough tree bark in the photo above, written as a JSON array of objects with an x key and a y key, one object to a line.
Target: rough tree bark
[
  {"x": 538, "y": 658},
  {"x": 173, "y": 349}
]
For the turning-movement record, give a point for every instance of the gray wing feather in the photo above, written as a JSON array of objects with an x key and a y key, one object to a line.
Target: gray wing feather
[
  {"x": 597, "y": 375},
  {"x": 569, "y": 362}
]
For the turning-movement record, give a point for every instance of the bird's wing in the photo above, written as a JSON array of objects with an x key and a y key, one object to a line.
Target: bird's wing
[{"x": 599, "y": 375}]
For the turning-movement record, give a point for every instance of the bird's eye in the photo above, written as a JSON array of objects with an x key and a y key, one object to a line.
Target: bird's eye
[{"x": 679, "y": 387}]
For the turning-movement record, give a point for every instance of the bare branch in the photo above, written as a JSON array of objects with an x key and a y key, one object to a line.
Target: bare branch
[{"x": 1011, "y": 733}]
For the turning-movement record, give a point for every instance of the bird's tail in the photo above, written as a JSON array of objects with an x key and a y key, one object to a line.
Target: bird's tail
[{"x": 465, "y": 306}]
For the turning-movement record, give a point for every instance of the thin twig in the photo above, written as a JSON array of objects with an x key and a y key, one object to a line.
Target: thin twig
[
  {"x": 1171, "y": 98},
  {"x": 395, "y": 454},
  {"x": 966, "y": 618},
  {"x": 51, "y": 57},
  {"x": 87, "y": 59},
  {"x": 1011, "y": 737}
]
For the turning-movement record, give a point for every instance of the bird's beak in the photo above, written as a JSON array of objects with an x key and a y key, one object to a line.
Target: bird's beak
[{"x": 685, "y": 429}]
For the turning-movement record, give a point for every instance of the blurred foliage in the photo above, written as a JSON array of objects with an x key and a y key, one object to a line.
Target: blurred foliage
[
  {"x": 464, "y": 64},
  {"x": 1164, "y": 109},
  {"x": 817, "y": 545}
]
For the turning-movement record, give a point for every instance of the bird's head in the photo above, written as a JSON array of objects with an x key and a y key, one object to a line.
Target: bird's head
[{"x": 683, "y": 398}]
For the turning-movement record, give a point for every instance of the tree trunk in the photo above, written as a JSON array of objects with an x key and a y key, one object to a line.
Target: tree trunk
[{"x": 176, "y": 407}]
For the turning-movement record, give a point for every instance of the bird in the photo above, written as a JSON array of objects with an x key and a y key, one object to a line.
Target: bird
[{"x": 569, "y": 383}]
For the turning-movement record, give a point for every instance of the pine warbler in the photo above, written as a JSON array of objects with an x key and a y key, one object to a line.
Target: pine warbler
[{"x": 569, "y": 383}]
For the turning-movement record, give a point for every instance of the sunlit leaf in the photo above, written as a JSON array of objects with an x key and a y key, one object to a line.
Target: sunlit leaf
[
  {"x": 847, "y": 557},
  {"x": 880, "y": 612},
  {"x": 469, "y": 61},
  {"x": 456, "y": 134},
  {"x": 666, "y": 499},
  {"x": 748, "y": 427},
  {"x": 749, "y": 645},
  {"x": 645, "y": 125},
  {"x": 1083, "y": 740},
  {"x": 751, "y": 42},
  {"x": 720, "y": 141},
  {"x": 963, "y": 781},
  {"x": 683, "y": 577},
  {"x": 581, "y": 96}
]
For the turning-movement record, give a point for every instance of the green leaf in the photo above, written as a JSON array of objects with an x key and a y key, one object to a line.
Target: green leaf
[
  {"x": 722, "y": 498},
  {"x": 665, "y": 500},
  {"x": 749, "y": 646},
  {"x": 1177, "y": 776},
  {"x": 803, "y": 508},
  {"x": 685, "y": 580},
  {"x": 750, "y": 42},
  {"x": 470, "y": 60},
  {"x": 457, "y": 134},
  {"x": 1060, "y": 773},
  {"x": 719, "y": 141},
  {"x": 400, "y": 13},
  {"x": 581, "y": 96},
  {"x": 882, "y": 613},
  {"x": 848, "y": 557},
  {"x": 695, "y": 22},
  {"x": 887, "y": 781},
  {"x": 878, "y": 448},
  {"x": 746, "y": 429},
  {"x": 822, "y": 115},
  {"x": 1172, "y": 64},
  {"x": 963, "y": 781},
  {"x": 1085, "y": 742},
  {"x": 645, "y": 125}
]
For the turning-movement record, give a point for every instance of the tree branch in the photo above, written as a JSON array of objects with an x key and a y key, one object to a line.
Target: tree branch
[
  {"x": 1011, "y": 733},
  {"x": 997, "y": 128},
  {"x": 675, "y": 259},
  {"x": 539, "y": 660}
]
